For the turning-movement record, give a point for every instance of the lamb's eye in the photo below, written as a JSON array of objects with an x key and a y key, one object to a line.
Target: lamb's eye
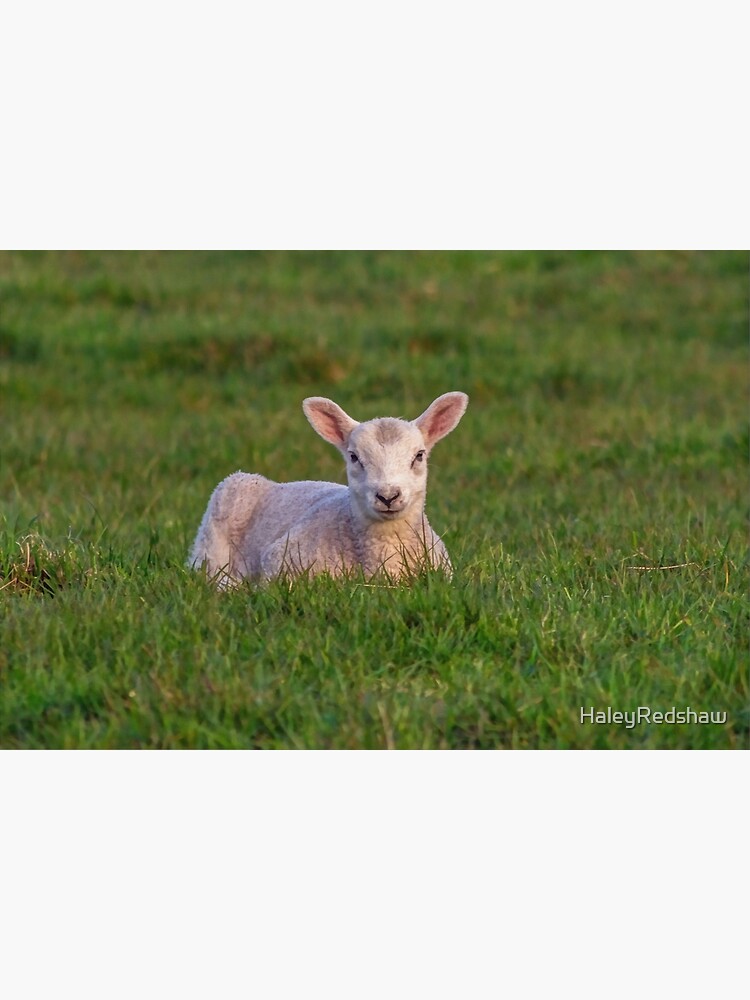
[
  {"x": 419, "y": 457},
  {"x": 353, "y": 457}
]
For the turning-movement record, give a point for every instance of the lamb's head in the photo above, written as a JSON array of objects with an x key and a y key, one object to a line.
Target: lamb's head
[{"x": 386, "y": 458}]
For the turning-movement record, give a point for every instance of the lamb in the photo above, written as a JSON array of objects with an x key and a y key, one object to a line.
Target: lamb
[{"x": 259, "y": 529}]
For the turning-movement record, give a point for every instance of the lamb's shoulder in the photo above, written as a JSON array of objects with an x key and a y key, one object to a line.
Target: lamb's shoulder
[{"x": 318, "y": 540}]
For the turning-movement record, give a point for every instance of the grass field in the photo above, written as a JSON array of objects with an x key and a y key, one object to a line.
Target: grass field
[{"x": 593, "y": 499}]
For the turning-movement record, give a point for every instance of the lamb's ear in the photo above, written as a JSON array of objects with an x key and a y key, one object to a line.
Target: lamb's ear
[
  {"x": 441, "y": 416},
  {"x": 329, "y": 420}
]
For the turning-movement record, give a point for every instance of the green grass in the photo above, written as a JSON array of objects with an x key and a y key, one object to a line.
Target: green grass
[{"x": 593, "y": 499}]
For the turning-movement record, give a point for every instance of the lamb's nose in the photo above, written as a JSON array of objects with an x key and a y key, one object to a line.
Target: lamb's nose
[{"x": 388, "y": 500}]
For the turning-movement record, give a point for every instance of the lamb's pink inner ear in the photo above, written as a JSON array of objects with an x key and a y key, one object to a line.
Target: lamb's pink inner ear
[
  {"x": 329, "y": 426},
  {"x": 329, "y": 420},
  {"x": 441, "y": 417}
]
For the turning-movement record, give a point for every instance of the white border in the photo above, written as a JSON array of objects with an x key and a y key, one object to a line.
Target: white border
[
  {"x": 347, "y": 874},
  {"x": 413, "y": 125}
]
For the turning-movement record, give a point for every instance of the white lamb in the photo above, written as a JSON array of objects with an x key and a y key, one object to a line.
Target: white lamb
[{"x": 257, "y": 528}]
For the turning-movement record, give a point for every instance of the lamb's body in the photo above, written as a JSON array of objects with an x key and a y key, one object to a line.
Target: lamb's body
[{"x": 254, "y": 527}]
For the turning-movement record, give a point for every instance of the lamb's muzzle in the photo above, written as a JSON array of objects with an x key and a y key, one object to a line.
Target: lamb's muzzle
[
  {"x": 388, "y": 502},
  {"x": 254, "y": 527}
]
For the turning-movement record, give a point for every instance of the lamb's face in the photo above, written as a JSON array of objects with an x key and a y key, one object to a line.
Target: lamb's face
[
  {"x": 386, "y": 458},
  {"x": 387, "y": 468}
]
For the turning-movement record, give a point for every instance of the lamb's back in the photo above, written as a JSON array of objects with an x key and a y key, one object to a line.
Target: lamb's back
[{"x": 307, "y": 506}]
